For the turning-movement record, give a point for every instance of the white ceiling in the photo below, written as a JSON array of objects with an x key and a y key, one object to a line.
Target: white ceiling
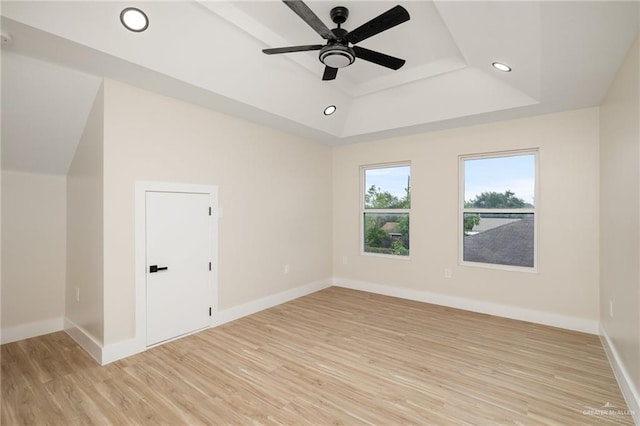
[{"x": 564, "y": 56}]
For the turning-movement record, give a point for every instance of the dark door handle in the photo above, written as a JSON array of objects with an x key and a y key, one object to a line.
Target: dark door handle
[{"x": 155, "y": 268}]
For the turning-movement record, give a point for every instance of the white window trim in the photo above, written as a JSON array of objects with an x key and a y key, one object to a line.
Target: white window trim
[
  {"x": 363, "y": 169},
  {"x": 461, "y": 210}
]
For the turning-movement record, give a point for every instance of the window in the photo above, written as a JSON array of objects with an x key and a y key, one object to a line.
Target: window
[
  {"x": 498, "y": 214},
  {"x": 386, "y": 207}
]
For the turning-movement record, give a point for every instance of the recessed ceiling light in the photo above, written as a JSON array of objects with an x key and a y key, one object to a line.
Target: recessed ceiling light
[
  {"x": 134, "y": 19},
  {"x": 330, "y": 110},
  {"x": 501, "y": 67}
]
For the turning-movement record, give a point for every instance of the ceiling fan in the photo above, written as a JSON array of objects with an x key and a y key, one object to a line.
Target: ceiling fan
[{"x": 337, "y": 52}]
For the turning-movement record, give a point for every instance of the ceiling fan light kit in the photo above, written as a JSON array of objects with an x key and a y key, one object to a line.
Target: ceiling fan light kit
[
  {"x": 337, "y": 56},
  {"x": 339, "y": 51}
]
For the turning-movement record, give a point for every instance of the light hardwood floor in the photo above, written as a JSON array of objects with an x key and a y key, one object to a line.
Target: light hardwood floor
[{"x": 334, "y": 357}]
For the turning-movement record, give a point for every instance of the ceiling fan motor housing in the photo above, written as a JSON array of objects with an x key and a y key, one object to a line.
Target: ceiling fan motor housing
[{"x": 339, "y": 14}]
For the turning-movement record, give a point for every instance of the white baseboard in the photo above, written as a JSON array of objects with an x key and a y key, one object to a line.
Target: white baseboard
[
  {"x": 120, "y": 350},
  {"x": 32, "y": 329},
  {"x": 126, "y": 348},
  {"x": 84, "y": 339},
  {"x": 529, "y": 315},
  {"x": 113, "y": 352},
  {"x": 625, "y": 382},
  {"x": 231, "y": 314},
  {"x": 102, "y": 355}
]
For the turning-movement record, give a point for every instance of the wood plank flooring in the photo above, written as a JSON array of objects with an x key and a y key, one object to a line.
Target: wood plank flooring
[{"x": 334, "y": 357}]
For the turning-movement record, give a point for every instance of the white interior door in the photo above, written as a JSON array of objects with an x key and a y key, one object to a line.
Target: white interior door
[{"x": 178, "y": 256}]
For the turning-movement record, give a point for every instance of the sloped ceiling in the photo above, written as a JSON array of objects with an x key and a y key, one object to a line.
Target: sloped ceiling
[
  {"x": 38, "y": 134},
  {"x": 563, "y": 54}
]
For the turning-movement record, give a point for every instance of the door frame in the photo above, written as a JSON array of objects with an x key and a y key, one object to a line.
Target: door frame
[{"x": 141, "y": 189}]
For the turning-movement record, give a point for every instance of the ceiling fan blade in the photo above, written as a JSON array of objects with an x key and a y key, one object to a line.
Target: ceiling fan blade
[
  {"x": 303, "y": 11},
  {"x": 378, "y": 58},
  {"x": 389, "y": 19},
  {"x": 289, "y": 49},
  {"x": 329, "y": 73}
]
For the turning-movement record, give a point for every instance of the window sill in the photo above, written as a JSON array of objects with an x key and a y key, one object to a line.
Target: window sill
[
  {"x": 508, "y": 268},
  {"x": 385, "y": 256}
]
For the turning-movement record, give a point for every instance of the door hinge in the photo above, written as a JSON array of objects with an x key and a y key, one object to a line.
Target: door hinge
[
  {"x": 209, "y": 311},
  {"x": 209, "y": 265},
  {"x": 209, "y": 211}
]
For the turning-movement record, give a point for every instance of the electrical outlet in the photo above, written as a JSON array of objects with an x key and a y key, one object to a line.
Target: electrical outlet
[
  {"x": 345, "y": 260},
  {"x": 77, "y": 294},
  {"x": 286, "y": 268},
  {"x": 447, "y": 273},
  {"x": 610, "y": 308}
]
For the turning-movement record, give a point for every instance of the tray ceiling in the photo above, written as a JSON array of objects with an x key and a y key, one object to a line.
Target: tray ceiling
[{"x": 563, "y": 54}]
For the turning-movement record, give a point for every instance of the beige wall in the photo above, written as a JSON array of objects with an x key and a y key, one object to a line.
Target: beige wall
[
  {"x": 85, "y": 227},
  {"x": 620, "y": 214},
  {"x": 567, "y": 282},
  {"x": 274, "y": 188},
  {"x": 1, "y": 215},
  {"x": 33, "y": 255}
]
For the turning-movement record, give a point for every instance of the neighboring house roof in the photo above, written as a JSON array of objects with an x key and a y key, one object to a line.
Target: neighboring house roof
[
  {"x": 487, "y": 223},
  {"x": 391, "y": 228},
  {"x": 510, "y": 244}
]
